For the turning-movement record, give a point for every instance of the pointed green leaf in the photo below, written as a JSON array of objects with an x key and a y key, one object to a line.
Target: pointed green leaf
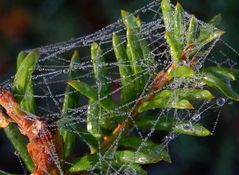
[
  {"x": 189, "y": 129},
  {"x": 179, "y": 27},
  {"x": 100, "y": 70},
  {"x": 216, "y": 20},
  {"x": 192, "y": 31},
  {"x": 21, "y": 56},
  {"x": 129, "y": 20},
  {"x": 181, "y": 71},
  {"x": 190, "y": 94},
  {"x": 136, "y": 62},
  {"x": 154, "y": 155},
  {"x": 127, "y": 93},
  {"x": 25, "y": 71},
  {"x": 167, "y": 15},
  {"x": 71, "y": 100},
  {"x": 208, "y": 34},
  {"x": 174, "y": 47},
  {"x": 222, "y": 87},
  {"x": 171, "y": 124}
]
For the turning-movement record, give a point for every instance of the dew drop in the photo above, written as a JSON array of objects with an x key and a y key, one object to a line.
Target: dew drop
[
  {"x": 65, "y": 71},
  {"x": 196, "y": 117},
  {"x": 171, "y": 136},
  {"x": 187, "y": 126},
  {"x": 221, "y": 101}
]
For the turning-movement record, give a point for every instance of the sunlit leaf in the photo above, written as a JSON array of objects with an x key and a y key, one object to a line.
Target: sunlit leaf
[
  {"x": 167, "y": 15},
  {"x": 189, "y": 93},
  {"x": 152, "y": 156},
  {"x": 174, "y": 46},
  {"x": 192, "y": 31},
  {"x": 165, "y": 103},
  {"x": 181, "y": 71},
  {"x": 179, "y": 27},
  {"x": 25, "y": 71},
  {"x": 171, "y": 124}
]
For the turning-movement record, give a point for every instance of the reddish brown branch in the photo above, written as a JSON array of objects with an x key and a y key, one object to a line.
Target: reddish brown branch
[{"x": 40, "y": 137}]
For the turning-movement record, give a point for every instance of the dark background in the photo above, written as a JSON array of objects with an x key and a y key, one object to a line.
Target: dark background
[{"x": 27, "y": 24}]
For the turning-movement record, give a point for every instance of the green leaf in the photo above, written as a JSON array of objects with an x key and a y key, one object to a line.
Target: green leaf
[
  {"x": 190, "y": 94},
  {"x": 129, "y": 20},
  {"x": 222, "y": 87},
  {"x": 21, "y": 56},
  {"x": 167, "y": 15},
  {"x": 24, "y": 72},
  {"x": 136, "y": 62},
  {"x": 20, "y": 144},
  {"x": 165, "y": 102},
  {"x": 179, "y": 27},
  {"x": 100, "y": 70},
  {"x": 174, "y": 47},
  {"x": 127, "y": 93},
  {"x": 85, "y": 163},
  {"x": 153, "y": 155},
  {"x": 92, "y": 94},
  {"x": 22, "y": 85},
  {"x": 181, "y": 71},
  {"x": 207, "y": 35},
  {"x": 192, "y": 31},
  {"x": 194, "y": 130},
  {"x": 171, "y": 124},
  {"x": 216, "y": 20},
  {"x": 71, "y": 100}
]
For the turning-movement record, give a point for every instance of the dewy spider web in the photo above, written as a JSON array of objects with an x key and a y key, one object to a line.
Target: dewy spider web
[{"x": 50, "y": 78}]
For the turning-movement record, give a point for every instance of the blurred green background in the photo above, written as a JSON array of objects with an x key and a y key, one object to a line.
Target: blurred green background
[{"x": 27, "y": 24}]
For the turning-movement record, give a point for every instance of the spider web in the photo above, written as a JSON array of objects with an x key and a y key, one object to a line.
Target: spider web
[{"x": 51, "y": 77}]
